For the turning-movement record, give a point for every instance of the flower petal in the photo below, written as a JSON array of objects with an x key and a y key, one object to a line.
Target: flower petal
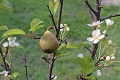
[
  {"x": 89, "y": 24},
  {"x": 96, "y": 41},
  {"x": 96, "y": 32},
  {"x": 80, "y": 55},
  {"x": 5, "y": 44},
  {"x": 17, "y": 44},
  {"x": 90, "y": 39},
  {"x": 101, "y": 36}
]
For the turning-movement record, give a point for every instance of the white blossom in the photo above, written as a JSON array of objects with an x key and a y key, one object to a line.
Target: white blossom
[
  {"x": 95, "y": 23},
  {"x": 54, "y": 77},
  {"x": 5, "y": 73},
  {"x": 99, "y": 73},
  {"x": 12, "y": 42},
  {"x": 112, "y": 57},
  {"x": 67, "y": 29},
  {"x": 80, "y": 55},
  {"x": 5, "y": 44},
  {"x": 96, "y": 37},
  {"x": 110, "y": 42},
  {"x": 104, "y": 32},
  {"x": 107, "y": 58},
  {"x": 109, "y": 22}
]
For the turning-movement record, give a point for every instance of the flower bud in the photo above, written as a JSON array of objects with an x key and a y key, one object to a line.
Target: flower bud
[{"x": 109, "y": 22}]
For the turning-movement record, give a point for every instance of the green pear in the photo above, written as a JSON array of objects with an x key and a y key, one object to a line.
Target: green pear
[{"x": 49, "y": 43}]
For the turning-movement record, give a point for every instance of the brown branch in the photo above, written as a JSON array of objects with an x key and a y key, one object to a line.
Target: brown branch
[
  {"x": 51, "y": 67},
  {"x": 87, "y": 49},
  {"x": 90, "y": 7},
  {"x": 57, "y": 34},
  {"x": 47, "y": 60},
  {"x": 25, "y": 65},
  {"x": 32, "y": 36},
  {"x": 3, "y": 58},
  {"x": 89, "y": 12},
  {"x": 116, "y": 15},
  {"x": 52, "y": 18},
  {"x": 59, "y": 17}
]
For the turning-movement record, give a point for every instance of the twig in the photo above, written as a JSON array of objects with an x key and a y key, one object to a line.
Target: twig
[
  {"x": 57, "y": 34},
  {"x": 90, "y": 13},
  {"x": 86, "y": 1},
  {"x": 59, "y": 17},
  {"x": 32, "y": 36},
  {"x": 51, "y": 67},
  {"x": 25, "y": 65},
  {"x": 116, "y": 15},
  {"x": 47, "y": 60},
  {"x": 87, "y": 49},
  {"x": 52, "y": 18},
  {"x": 3, "y": 58}
]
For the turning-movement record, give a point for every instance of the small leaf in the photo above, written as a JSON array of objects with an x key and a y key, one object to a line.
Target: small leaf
[
  {"x": 20, "y": 47},
  {"x": 13, "y": 32},
  {"x": 3, "y": 27},
  {"x": 70, "y": 45},
  {"x": 6, "y": 5},
  {"x": 56, "y": 5},
  {"x": 86, "y": 64},
  {"x": 36, "y": 24},
  {"x": 61, "y": 50},
  {"x": 51, "y": 6},
  {"x": 91, "y": 77},
  {"x": 36, "y": 21},
  {"x": 0, "y": 59},
  {"x": 117, "y": 68},
  {"x": 35, "y": 27},
  {"x": 15, "y": 74}
]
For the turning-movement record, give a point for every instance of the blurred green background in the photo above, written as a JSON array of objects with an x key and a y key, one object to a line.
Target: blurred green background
[{"x": 76, "y": 16}]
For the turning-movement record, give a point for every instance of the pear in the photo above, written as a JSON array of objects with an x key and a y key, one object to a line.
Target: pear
[{"x": 49, "y": 43}]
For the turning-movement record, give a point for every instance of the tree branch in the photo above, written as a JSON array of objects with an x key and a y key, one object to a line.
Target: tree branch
[
  {"x": 25, "y": 65},
  {"x": 116, "y": 15},
  {"x": 3, "y": 58},
  {"x": 59, "y": 15},
  {"x": 52, "y": 18},
  {"x": 89, "y": 12},
  {"x": 57, "y": 35},
  {"x": 86, "y": 1}
]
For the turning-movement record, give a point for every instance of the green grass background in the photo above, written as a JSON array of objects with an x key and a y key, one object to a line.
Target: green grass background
[{"x": 76, "y": 16}]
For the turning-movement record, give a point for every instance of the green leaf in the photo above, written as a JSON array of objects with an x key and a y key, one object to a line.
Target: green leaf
[
  {"x": 71, "y": 45},
  {"x": 20, "y": 47},
  {"x": 111, "y": 51},
  {"x": 5, "y": 4},
  {"x": 36, "y": 24},
  {"x": 51, "y": 6},
  {"x": 117, "y": 68},
  {"x": 86, "y": 64},
  {"x": 13, "y": 32},
  {"x": 105, "y": 42},
  {"x": 0, "y": 59},
  {"x": 15, "y": 74},
  {"x": 3, "y": 27},
  {"x": 56, "y": 5},
  {"x": 61, "y": 50},
  {"x": 91, "y": 77}
]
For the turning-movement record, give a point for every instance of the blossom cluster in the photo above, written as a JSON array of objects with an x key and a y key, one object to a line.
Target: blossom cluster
[
  {"x": 11, "y": 42},
  {"x": 96, "y": 34}
]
